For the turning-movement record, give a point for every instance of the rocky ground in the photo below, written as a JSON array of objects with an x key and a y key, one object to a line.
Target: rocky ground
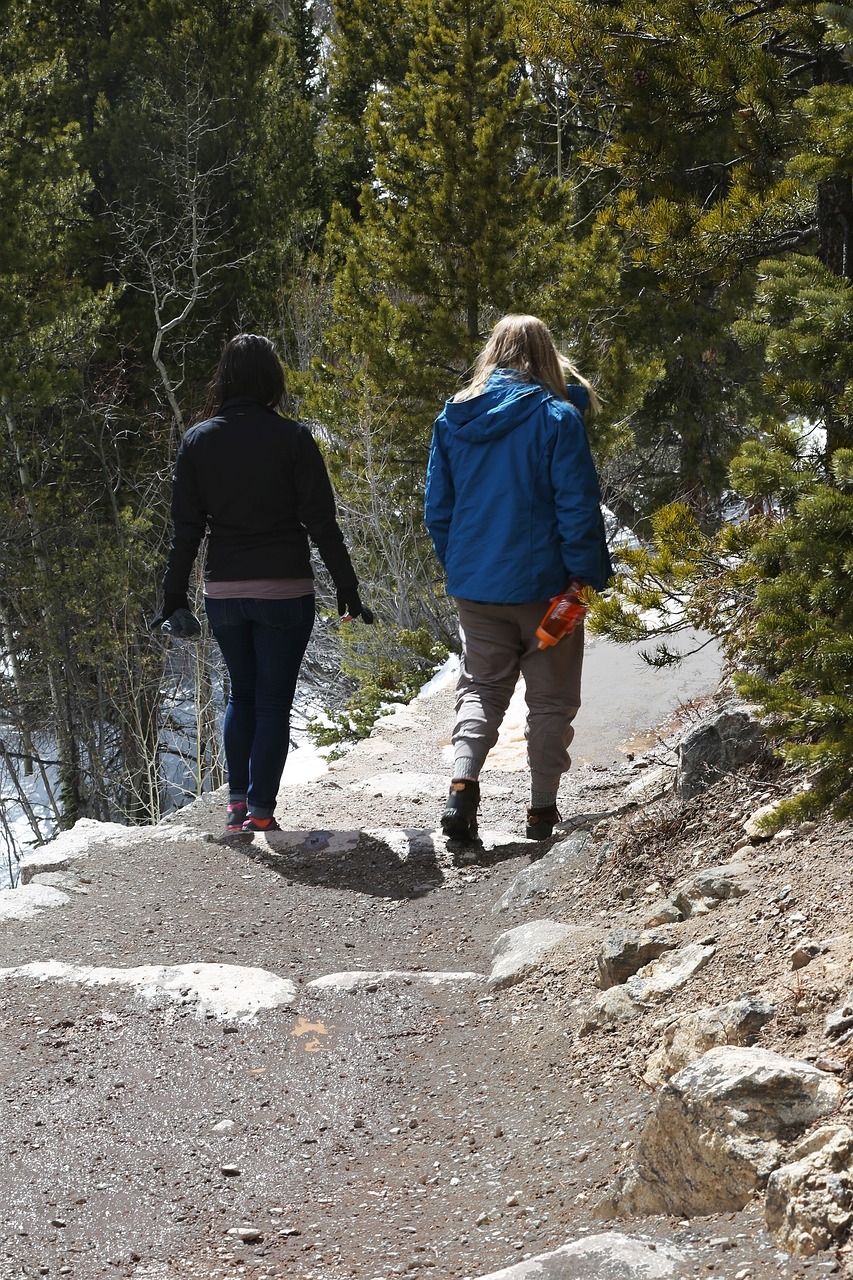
[{"x": 389, "y": 1078}]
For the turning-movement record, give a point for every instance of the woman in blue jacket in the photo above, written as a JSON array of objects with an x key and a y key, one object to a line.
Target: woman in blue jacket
[{"x": 513, "y": 509}]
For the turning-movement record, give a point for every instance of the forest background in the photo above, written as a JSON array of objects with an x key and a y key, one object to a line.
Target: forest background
[{"x": 666, "y": 183}]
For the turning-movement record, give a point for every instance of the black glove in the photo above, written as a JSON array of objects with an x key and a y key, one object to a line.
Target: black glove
[
  {"x": 182, "y": 625},
  {"x": 171, "y": 604},
  {"x": 176, "y": 619},
  {"x": 350, "y": 606}
]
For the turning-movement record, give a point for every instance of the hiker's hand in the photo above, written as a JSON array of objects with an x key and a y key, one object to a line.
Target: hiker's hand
[
  {"x": 350, "y": 606},
  {"x": 172, "y": 603},
  {"x": 176, "y": 619},
  {"x": 182, "y": 625}
]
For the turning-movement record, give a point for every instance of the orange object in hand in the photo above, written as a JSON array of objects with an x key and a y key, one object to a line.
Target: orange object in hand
[{"x": 566, "y": 611}]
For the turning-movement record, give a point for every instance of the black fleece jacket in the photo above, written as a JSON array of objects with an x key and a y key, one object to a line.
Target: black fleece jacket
[{"x": 257, "y": 484}]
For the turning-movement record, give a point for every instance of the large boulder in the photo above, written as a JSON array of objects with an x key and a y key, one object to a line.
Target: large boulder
[
  {"x": 690, "y": 1035},
  {"x": 717, "y": 1132},
  {"x": 609, "y": 1256},
  {"x": 809, "y": 1204},
  {"x": 715, "y": 747}
]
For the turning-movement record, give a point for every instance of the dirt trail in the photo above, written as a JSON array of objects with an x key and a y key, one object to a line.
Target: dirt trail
[{"x": 399, "y": 1127}]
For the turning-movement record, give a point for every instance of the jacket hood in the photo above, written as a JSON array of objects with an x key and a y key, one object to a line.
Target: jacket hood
[{"x": 504, "y": 404}]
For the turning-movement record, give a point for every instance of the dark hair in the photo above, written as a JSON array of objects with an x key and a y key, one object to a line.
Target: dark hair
[{"x": 248, "y": 366}]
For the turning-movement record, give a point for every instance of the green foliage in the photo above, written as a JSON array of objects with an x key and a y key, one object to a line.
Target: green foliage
[
  {"x": 802, "y": 643},
  {"x": 802, "y": 322},
  {"x": 777, "y": 593},
  {"x": 454, "y": 225},
  {"x": 668, "y": 185},
  {"x": 681, "y": 127},
  {"x": 386, "y": 667}
]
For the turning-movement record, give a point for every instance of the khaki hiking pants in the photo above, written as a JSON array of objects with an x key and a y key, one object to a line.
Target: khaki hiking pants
[{"x": 499, "y": 642}]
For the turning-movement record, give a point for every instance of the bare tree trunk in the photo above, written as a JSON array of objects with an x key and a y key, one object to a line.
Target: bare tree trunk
[
  {"x": 71, "y": 793},
  {"x": 18, "y": 682}
]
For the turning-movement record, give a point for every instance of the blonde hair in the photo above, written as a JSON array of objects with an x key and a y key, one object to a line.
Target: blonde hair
[{"x": 524, "y": 344}]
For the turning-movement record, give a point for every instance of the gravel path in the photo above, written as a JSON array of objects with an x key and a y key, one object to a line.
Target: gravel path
[{"x": 392, "y": 1125}]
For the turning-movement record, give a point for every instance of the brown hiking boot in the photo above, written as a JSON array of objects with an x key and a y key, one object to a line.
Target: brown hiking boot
[
  {"x": 541, "y": 822},
  {"x": 459, "y": 820}
]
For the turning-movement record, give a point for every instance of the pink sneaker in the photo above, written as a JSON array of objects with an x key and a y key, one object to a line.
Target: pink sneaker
[
  {"x": 236, "y": 816},
  {"x": 260, "y": 824}
]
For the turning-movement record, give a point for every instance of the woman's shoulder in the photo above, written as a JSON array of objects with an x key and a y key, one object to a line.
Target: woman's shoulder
[
  {"x": 564, "y": 411},
  {"x": 577, "y": 396}
]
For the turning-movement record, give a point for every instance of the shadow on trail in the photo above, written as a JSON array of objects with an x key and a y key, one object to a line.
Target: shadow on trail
[
  {"x": 399, "y": 864},
  {"x": 353, "y": 860}
]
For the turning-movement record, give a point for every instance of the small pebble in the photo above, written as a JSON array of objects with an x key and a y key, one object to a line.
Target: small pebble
[{"x": 230, "y": 1171}]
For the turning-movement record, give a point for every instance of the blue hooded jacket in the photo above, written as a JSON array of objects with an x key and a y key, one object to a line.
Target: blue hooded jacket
[{"x": 512, "y": 502}]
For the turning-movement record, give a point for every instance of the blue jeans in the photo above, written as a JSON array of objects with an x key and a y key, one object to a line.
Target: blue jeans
[{"x": 262, "y": 642}]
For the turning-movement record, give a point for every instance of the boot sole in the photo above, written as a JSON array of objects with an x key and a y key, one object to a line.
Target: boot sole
[
  {"x": 459, "y": 829},
  {"x": 236, "y": 837}
]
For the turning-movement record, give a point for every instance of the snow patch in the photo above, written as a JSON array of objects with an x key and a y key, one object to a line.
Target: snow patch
[
  {"x": 214, "y": 990},
  {"x": 28, "y": 900}
]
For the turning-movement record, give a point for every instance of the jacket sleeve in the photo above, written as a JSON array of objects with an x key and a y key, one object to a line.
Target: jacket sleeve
[
  {"x": 577, "y": 500},
  {"x": 316, "y": 511},
  {"x": 189, "y": 522},
  {"x": 438, "y": 497}
]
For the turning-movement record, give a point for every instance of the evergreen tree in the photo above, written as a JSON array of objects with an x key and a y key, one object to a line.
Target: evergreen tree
[
  {"x": 455, "y": 226},
  {"x": 680, "y": 120},
  {"x": 153, "y": 159},
  {"x": 733, "y": 224},
  {"x": 370, "y": 44},
  {"x": 50, "y": 323}
]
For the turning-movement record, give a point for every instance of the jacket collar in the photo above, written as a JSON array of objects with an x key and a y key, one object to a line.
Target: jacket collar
[{"x": 237, "y": 401}]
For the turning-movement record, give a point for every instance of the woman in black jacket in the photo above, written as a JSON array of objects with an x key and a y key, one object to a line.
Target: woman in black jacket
[{"x": 256, "y": 483}]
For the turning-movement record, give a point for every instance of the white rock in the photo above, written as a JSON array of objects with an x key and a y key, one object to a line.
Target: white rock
[
  {"x": 705, "y": 888},
  {"x": 213, "y": 990},
  {"x": 547, "y": 873},
  {"x": 654, "y": 783},
  {"x": 690, "y": 1035},
  {"x": 809, "y": 1204},
  {"x": 408, "y": 786},
  {"x": 310, "y": 842},
  {"x": 610, "y": 1008},
  {"x": 358, "y": 979},
  {"x": 69, "y": 846},
  {"x": 670, "y": 973},
  {"x": 28, "y": 900},
  {"x": 600, "y": 1257},
  {"x": 517, "y": 952},
  {"x": 405, "y": 844},
  {"x": 752, "y": 825},
  {"x": 717, "y": 1132},
  {"x": 650, "y": 986}
]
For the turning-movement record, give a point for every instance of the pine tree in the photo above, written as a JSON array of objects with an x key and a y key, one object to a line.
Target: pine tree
[
  {"x": 455, "y": 227},
  {"x": 370, "y": 45},
  {"x": 153, "y": 157},
  {"x": 680, "y": 121},
  {"x": 50, "y": 323},
  {"x": 734, "y": 223}
]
